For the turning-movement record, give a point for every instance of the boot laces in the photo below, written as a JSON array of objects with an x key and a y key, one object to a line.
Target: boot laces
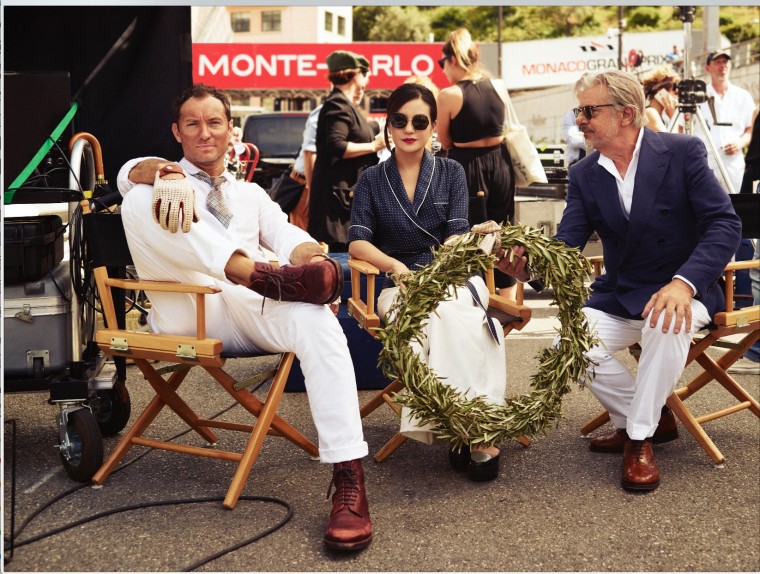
[
  {"x": 275, "y": 283},
  {"x": 346, "y": 482}
]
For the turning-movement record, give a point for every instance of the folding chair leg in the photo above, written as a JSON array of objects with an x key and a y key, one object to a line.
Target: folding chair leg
[
  {"x": 254, "y": 406},
  {"x": 388, "y": 448},
  {"x": 692, "y": 425},
  {"x": 739, "y": 393},
  {"x": 523, "y": 440},
  {"x": 256, "y": 439},
  {"x": 378, "y": 399},
  {"x": 143, "y": 422},
  {"x": 595, "y": 423},
  {"x": 168, "y": 394}
]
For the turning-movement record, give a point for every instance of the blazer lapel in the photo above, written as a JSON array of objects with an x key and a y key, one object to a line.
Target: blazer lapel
[
  {"x": 654, "y": 158},
  {"x": 604, "y": 189}
]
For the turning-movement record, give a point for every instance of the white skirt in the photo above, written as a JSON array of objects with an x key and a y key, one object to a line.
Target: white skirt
[{"x": 458, "y": 347}]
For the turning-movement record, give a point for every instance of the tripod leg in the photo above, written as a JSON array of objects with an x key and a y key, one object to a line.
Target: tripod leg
[{"x": 714, "y": 152}]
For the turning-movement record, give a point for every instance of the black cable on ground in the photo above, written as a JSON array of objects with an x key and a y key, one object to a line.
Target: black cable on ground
[
  {"x": 11, "y": 537},
  {"x": 139, "y": 506},
  {"x": 15, "y": 534}
]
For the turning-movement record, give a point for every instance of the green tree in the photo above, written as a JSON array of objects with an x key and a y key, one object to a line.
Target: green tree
[
  {"x": 446, "y": 19},
  {"x": 397, "y": 24},
  {"x": 738, "y": 23},
  {"x": 644, "y": 18},
  {"x": 481, "y": 21},
  {"x": 364, "y": 18}
]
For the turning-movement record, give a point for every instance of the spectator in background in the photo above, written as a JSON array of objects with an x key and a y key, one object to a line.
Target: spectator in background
[
  {"x": 575, "y": 142},
  {"x": 471, "y": 128},
  {"x": 303, "y": 168},
  {"x": 733, "y": 105},
  {"x": 346, "y": 146},
  {"x": 674, "y": 55},
  {"x": 662, "y": 98},
  {"x": 750, "y": 361},
  {"x": 752, "y": 159}
]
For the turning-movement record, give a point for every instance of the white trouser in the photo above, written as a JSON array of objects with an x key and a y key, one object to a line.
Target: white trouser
[
  {"x": 458, "y": 347},
  {"x": 635, "y": 403},
  {"x": 235, "y": 316}
]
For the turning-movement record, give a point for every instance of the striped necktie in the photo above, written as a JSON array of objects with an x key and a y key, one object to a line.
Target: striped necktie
[{"x": 215, "y": 201}]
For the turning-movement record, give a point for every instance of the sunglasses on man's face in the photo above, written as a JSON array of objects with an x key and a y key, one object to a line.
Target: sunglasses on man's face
[
  {"x": 442, "y": 61},
  {"x": 399, "y": 121},
  {"x": 588, "y": 111}
]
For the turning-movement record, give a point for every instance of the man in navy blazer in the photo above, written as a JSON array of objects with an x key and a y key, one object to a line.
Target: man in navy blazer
[{"x": 667, "y": 229}]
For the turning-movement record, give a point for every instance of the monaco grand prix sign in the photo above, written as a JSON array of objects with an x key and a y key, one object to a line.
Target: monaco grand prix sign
[{"x": 302, "y": 66}]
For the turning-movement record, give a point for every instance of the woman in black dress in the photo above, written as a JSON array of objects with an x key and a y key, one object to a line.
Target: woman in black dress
[{"x": 346, "y": 146}]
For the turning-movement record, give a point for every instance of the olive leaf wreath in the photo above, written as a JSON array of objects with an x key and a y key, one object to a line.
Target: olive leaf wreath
[{"x": 475, "y": 421}]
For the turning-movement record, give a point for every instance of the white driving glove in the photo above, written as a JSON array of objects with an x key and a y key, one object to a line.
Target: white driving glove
[
  {"x": 170, "y": 197},
  {"x": 490, "y": 244}
]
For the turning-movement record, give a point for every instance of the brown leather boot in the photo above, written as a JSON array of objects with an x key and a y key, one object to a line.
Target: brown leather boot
[
  {"x": 666, "y": 431},
  {"x": 640, "y": 471},
  {"x": 319, "y": 283},
  {"x": 349, "y": 527}
]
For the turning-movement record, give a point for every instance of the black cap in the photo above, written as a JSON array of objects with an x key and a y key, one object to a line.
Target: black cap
[{"x": 717, "y": 54}]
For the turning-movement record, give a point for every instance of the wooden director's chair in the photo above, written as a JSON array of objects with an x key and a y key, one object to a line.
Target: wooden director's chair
[
  {"x": 108, "y": 250},
  {"x": 511, "y": 314},
  {"x": 744, "y": 322}
]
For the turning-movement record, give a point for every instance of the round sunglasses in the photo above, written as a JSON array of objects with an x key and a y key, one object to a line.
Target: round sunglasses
[{"x": 399, "y": 121}]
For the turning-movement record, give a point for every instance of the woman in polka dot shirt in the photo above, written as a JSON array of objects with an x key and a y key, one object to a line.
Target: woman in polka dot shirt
[{"x": 402, "y": 208}]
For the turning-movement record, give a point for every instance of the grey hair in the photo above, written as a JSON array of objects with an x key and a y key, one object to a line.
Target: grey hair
[{"x": 623, "y": 89}]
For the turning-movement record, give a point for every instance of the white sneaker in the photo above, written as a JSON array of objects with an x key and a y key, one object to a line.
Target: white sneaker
[{"x": 745, "y": 367}]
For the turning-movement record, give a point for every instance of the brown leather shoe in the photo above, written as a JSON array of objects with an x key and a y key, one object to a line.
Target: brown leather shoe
[
  {"x": 640, "y": 471},
  {"x": 319, "y": 283},
  {"x": 666, "y": 431},
  {"x": 611, "y": 442},
  {"x": 349, "y": 527}
]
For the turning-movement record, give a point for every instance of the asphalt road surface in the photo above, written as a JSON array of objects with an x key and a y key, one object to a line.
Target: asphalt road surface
[{"x": 556, "y": 506}]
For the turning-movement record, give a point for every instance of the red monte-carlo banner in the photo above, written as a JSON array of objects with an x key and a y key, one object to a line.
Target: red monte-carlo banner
[{"x": 302, "y": 66}]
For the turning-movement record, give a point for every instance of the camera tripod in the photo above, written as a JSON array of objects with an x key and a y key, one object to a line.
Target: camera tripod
[
  {"x": 691, "y": 93},
  {"x": 690, "y": 113}
]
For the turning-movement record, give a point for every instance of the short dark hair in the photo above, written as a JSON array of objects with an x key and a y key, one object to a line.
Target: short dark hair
[
  {"x": 406, "y": 93},
  {"x": 342, "y": 77},
  {"x": 200, "y": 91}
]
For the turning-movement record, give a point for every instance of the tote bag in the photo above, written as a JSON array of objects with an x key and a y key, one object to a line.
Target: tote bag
[
  {"x": 286, "y": 191},
  {"x": 525, "y": 161}
]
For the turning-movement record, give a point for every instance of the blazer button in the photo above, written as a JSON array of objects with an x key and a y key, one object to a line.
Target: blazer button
[
  {"x": 661, "y": 241},
  {"x": 664, "y": 211}
]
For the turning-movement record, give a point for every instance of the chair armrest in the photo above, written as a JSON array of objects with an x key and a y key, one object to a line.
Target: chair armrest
[
  {"x": 363, "y": 267},
  {"x": 361, "y": 310},
  {"x": 510, "y": 313},
  {"x": 109, "y": 311},
  {"x": 729, "y": 271},
  {"x": 597, "y": 261},
  {"x": 738, "y": 265},
  {"x": 165, "y": 286}
]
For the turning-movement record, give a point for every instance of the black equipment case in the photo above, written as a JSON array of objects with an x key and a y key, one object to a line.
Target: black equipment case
[{"x": 32, "y": 246}]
